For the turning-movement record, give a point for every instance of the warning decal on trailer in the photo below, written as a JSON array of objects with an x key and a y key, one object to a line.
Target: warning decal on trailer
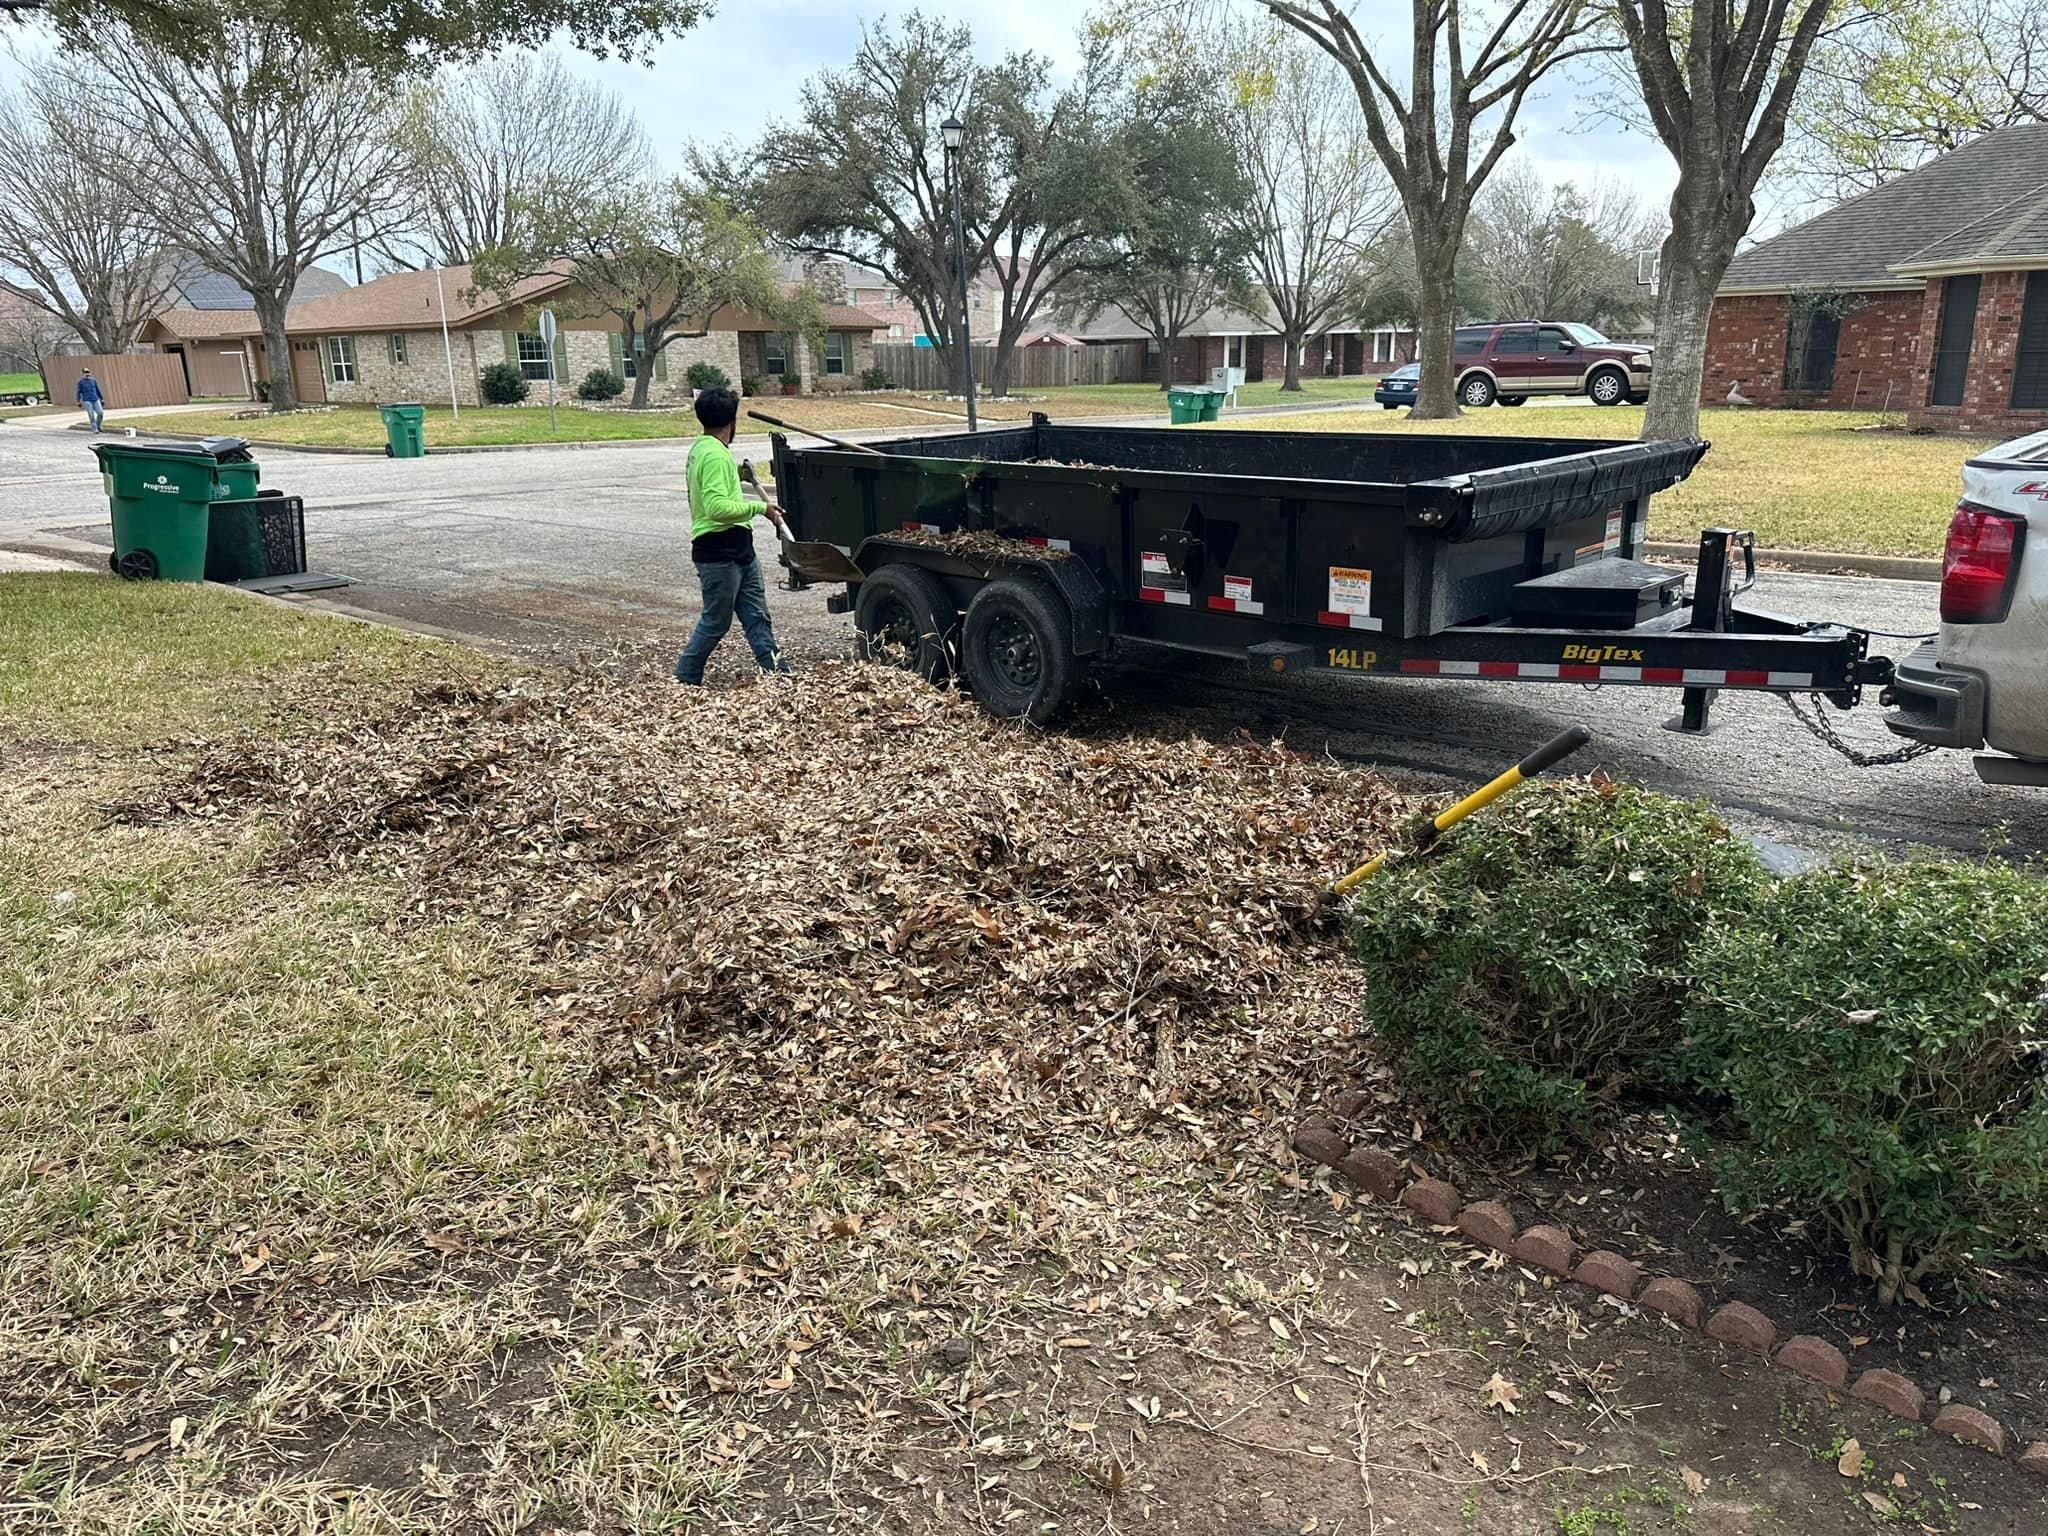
[
  {"x": 1608, "y": 545},
  {"x": 1350, "y": 600},
  {"x": 1157, "y": 583},
  {"x": 1237, "y": 597}
]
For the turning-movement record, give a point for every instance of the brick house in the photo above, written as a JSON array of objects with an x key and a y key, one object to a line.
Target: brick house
[
  {"x": 1939, "y": 282},
  {"x": 1238, "y": 338}
]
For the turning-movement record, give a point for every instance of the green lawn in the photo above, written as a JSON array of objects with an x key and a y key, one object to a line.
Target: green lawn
[
  {"x": 20, "y": 383},
  {"x": 1802, "y": 479}
]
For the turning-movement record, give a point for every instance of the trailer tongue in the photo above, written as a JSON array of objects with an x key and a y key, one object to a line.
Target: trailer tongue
[{"x": 1021, "y": 554}]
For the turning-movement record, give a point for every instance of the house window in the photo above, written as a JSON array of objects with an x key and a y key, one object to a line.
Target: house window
[
  {"x": 629, "y": 358},
  {"x": 341, "y": 359},
  {"x": 895, "y": 331},
  {"x": 533, "y": 355},
  {"x": 1953, "y": 341},
  {"x": 1383, "y": 346},
  {"x": 776, "y": 354},
  {"x": 835, "y": 351},
  {"x": 1813, "y": 369},
  {"x": 401, "y": 352},
  {"x": 2030, "y": 361}
]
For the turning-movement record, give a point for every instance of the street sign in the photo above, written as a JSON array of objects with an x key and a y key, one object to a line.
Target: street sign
[
  {"x": 547, "y": 339},
  {"x": 547, "y": 328}
]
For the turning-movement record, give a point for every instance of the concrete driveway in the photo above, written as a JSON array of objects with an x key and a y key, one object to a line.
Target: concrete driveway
[{"x": 569, "y": 553}]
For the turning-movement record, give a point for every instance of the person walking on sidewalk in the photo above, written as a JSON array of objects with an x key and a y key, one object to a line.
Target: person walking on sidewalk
[
  {"x": 89, "y": 397},
  {"x": 722, "y": 545}
]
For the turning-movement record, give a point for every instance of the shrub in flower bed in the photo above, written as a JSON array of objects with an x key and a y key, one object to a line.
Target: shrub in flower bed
[
  {"x": 1882, "y": 1034},
  {"x": 1532, "y": 970},
  {"x": 502, "y": 384}
]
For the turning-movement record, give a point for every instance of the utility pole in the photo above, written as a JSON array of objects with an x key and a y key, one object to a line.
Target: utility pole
[{"x": 956, "y": 135}]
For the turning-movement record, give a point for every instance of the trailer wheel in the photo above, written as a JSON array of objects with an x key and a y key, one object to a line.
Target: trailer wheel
[
  {"x": 905, "y": 617},
  {"x": 1477, "y": 391},
  {"x": 1609, "y": 386},
  {"x": 1017, "y": 652}
]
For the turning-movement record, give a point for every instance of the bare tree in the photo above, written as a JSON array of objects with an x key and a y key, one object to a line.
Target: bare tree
[
  {"x": 1560, "y": 252},
  {"x": 1319, "y": 199},
  {"x": 28, "y": 332},
  {"x": 77, "y": 248},
  {"x": 256, "y": 158},
  {"x": 485, "y": 138},
  {"x": 1718, "y": 79},
  {"x": 1442, "y": 139}
]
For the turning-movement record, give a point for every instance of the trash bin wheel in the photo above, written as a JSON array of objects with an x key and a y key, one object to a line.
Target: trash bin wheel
[
  {"x": 389, "y": 453},
  {"x": 136, "y": 565}
]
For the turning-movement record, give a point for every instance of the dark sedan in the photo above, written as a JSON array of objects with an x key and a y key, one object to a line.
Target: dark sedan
[{"x": 1398, "y": 388}]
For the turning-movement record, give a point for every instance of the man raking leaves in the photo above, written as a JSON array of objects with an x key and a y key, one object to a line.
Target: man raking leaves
[{"x": 722, "y": 544}]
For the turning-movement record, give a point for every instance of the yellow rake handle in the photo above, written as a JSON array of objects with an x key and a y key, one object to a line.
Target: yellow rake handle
[{"x": 1548, "y": 755}]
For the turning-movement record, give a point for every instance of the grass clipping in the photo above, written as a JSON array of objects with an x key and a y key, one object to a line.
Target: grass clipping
[{"x": 863, "y": 887}]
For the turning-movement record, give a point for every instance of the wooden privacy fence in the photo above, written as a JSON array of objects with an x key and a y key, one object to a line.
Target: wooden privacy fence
[
  {"x": 914, "y": 367},
  {"x": 126, "y": 378}
]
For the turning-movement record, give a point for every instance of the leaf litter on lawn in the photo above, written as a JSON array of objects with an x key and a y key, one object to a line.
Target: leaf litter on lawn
[
  {"x": 860, "y": 880},
  {"x": 911, "y": 1020}
]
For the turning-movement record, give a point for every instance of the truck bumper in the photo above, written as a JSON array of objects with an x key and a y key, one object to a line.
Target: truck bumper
[{"x": 1933, "y": 704}]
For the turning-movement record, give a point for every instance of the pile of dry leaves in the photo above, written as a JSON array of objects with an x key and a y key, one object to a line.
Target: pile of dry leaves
[{"x": 859, "y": 877}]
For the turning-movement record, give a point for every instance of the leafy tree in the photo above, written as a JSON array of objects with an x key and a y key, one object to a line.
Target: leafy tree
[
  {"x": 483, "y": 139},
  {"x": 257, "y": 182},
  {"x": 385, "y": 35},
  {"x": 1560, "y": 253},
  {"x": 1318, "y": 199},
  {"x": 1393, "y": 291},
  {"x": 1183, "y": 248},
  {"x": 660, "y": 257},
  {"x": 1915, "y": 78},
  {"x": 1717, "y": 80},
  {"x": 1444, "y": 128},
  {"x": 78, "y": 249}
]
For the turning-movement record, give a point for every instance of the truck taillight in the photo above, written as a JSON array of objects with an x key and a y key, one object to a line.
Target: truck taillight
[{"x": 1978, "y": 565}]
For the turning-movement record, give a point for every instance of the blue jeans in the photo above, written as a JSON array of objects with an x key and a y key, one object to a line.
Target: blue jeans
[
  {"x": 730, "y": 588},
  {"x": 95, "y": 412}
]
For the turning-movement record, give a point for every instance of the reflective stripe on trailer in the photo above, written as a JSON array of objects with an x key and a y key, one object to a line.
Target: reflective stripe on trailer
[
  {"x": 1161, "y": 595},
  {"x": 1690, "y": 677},
  {"x": 1038, "y": 543},
  {"x": 1347, "y": 620},
  {"x": 1236, "y": 605}
]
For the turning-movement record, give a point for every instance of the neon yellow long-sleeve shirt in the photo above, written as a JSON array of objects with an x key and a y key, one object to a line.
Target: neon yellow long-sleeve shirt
[{"x": 714, "y": 485}]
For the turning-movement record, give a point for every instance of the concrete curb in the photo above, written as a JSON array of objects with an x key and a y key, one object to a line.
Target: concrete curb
[
  {"x": 1735, "y": 1325},
  {"x": 1820, "y": 562}
]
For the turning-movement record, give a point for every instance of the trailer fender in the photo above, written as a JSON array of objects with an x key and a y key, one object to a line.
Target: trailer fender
[{"x": 1073, "y": 580}]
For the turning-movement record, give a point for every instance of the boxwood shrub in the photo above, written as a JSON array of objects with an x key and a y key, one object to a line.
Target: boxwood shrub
[
  {"x": 1881, "y": 1032},
  {"x": 1532, "y": 971}
]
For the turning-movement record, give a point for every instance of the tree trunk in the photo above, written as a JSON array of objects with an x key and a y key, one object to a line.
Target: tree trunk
[
  {"x": 1696, "y": 254},
  {"x": 1165, "y": 336},
  {"x": 1436, "y": 397},
  {"x": 643, "y": 369},
  {"x": 277, "y": 352},
  {"x": 1291, "y": 343}
]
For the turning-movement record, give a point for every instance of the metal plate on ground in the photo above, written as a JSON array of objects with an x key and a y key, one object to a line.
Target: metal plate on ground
[{"x": 305, "y": 581}]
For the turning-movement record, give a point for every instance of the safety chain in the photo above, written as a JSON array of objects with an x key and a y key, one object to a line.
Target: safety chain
[{"x": 1823, "y": 731}]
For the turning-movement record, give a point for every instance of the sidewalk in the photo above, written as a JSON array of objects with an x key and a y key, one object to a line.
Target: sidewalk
[{"x": 65, "y": 421}]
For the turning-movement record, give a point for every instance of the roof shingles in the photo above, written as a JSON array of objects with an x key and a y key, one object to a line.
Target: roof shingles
[{"x": 1877, "y": 239}]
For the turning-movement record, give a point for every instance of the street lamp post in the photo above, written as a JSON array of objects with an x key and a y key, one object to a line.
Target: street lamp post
[{"x": 955, "y": 133}]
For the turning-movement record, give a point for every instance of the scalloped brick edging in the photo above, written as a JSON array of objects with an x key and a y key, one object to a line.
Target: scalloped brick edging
[{"x": 1491, "y": 1224}]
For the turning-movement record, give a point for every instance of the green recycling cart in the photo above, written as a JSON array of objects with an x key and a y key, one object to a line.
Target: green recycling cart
[
  {"x": 1212, "y": 403},
  {"x": 1185, "y": 405},
  {"x": 158, "y": 495},
  {"x": 405, "y": 424}
]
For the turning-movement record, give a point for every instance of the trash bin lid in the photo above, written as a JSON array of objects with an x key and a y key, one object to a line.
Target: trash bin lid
[{"x": 231, "y": 449}]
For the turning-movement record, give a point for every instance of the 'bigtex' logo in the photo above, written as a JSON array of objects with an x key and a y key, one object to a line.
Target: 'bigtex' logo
[{"x": 1601, "y": 653}]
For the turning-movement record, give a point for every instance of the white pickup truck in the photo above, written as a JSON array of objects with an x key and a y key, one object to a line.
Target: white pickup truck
[{"x": 1984, "y": 682}]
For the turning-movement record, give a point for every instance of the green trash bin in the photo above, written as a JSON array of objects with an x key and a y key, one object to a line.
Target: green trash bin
[
  {"x": 1184, "y": 405},
  {"x": 158, "y": 495},
  {"x": 405, "y": 424},
  {"x": 1212, "y": 404}
]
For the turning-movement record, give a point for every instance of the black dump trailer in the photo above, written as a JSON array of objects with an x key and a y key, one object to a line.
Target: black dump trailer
[{"x": 1021, "y": 555}]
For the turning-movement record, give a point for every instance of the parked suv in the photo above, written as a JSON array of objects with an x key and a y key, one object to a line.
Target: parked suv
[
  {"x": 1515, "y": 359},
  {"x": 1984, "y": 682}
]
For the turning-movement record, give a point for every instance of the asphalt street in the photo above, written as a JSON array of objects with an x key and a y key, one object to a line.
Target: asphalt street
[{"x": 567, "y": 553}]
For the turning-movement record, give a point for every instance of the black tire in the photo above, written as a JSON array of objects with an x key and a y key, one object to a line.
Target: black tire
[
  {"x": 136, "y": 565},
  {"x": 1476, "y": 391},
  {"x": 905, "y": 617},
  {"x": 1388, "y": 405},
  {"x": 1638, "y": 399},
  {"x": 1513, "y": 400},
  {"x": 1017, "y": 652},
  {"x": 1607, "y": 386}
]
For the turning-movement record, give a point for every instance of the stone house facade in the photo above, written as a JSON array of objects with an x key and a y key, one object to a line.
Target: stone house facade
[{"x": 1928, "y": 294}]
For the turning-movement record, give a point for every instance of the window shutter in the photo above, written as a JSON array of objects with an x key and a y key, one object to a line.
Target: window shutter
[
  {"x": 661, "y": 363},
  {"x": 618, "y": 354},
  {"x": 512, "y": 348},
  {"x": 391, "y": 348},
  {"x": 561, "y": 354}
]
